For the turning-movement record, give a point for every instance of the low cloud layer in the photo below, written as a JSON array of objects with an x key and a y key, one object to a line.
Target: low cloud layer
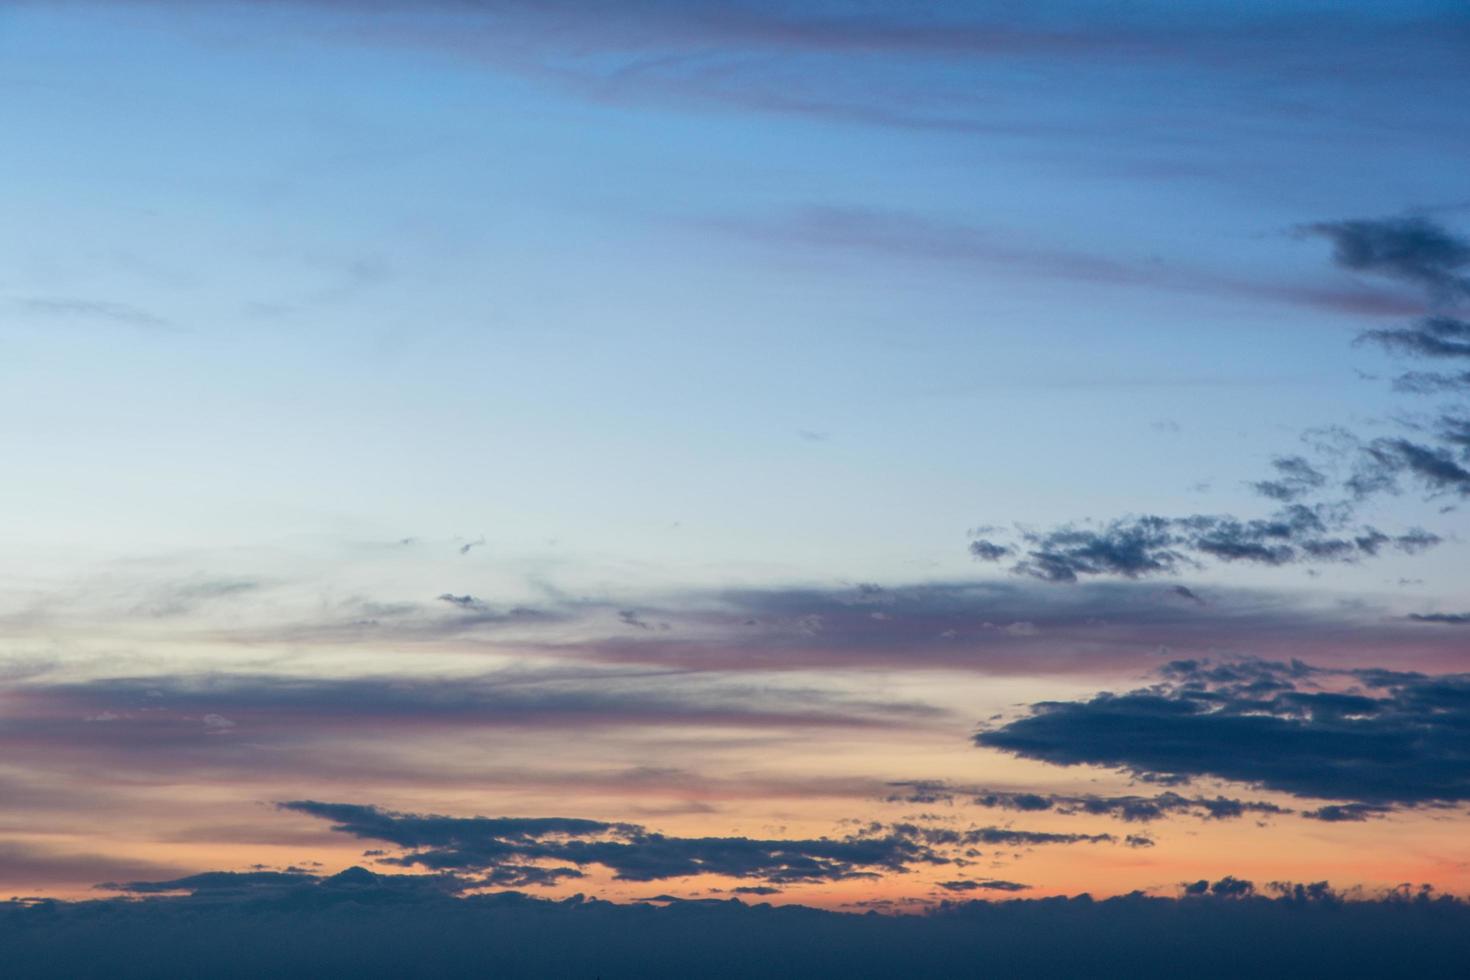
[{"x": 362, "y": 924}]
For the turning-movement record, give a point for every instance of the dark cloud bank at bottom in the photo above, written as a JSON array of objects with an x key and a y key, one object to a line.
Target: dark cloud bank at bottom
[{"x": 358, "y": 924}]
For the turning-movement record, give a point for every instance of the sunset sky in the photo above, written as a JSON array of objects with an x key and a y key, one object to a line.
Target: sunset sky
[{"x": 836, "y": 453}]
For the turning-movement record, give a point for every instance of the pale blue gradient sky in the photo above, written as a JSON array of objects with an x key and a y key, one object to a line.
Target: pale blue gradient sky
[
  {"x": 273, "y": 274},
  {"x": 645, "y": 301}
]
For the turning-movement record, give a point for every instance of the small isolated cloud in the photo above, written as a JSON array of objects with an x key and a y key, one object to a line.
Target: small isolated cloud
[
  {"x": 462, "y": 601},
  {"x": 1347, "y": 812},
  {"x": 1444, "y": 619},
  {"x": 984, "y": 884}
]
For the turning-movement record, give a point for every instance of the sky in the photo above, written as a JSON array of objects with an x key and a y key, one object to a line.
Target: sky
[{"x": 842, "y": 454}]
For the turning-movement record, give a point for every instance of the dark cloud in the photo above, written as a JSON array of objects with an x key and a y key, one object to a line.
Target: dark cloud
[
  {"x": 300, "y": 887},
  {"x": 480, "y": 848},
  {"x": 1431, "y": 382},
  {"x": 1231, "y": 887},
  {"x": 985, "y": 884},
  {"x": 990, "y": 551},
  {"x": 1433, "y": 336},
  {"x": 1389, "y": 738},
  {"x": 1347, "y": 812},
  {"x": 1295, "y": 478},
  {"x": 1008, "y": 837},
  {"x": 1139, "y": 809},
  {"x": 632, "y": 853},
  {"x": 1136, "y": 547},
  {"x": 1434, "y": 468},
  {"x": 1447, "y": 619},
  {"x": 630, "y": 617},
  {"x": 1413, "y": 249}
]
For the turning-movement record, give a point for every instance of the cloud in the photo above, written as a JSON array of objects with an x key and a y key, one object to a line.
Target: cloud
[
  {"x": 85, "y": 309},
  {"x": 1433, "y": 336},
  {"x": 1434, "y": 468},
  {"x": 1431, "y": 382},
  {"x": 1347, "y": 812},
  {"x": 1446, "y": 619},
  {"x": 1232, "y": 887},
  {"x": 952, "y": 70},
  {"x": 1007, "y": 837},
  {"x": 1295, "y": 478},
  {"x": 903, "y": 236},
  {"x": 1138, "y": 809},
  {"x": 298, "y": 887},
  {"x": 1413, "y": 249},
  {"x": 1129, "y": 808},
  {"x": 1136, "y": 547},
  {"x": 462, "y": 601},
  {"x": 756, "y": 890},
  {"x": 986, "y": 884},
  {"x": 214, "y": 881},
  {"x": 1316, "y": 522},
  {"x": 25, "y": 866},
  {"x": 164, "y": 720},
  {"x": 1388, "y": 738},
  {"x": 990, "y": 551},
  {"x": 632, "y": 853},
  {"x": 991, "y": 626},
  {"x": 480, "y": 848},
  {"x": 630, "y": 617}
]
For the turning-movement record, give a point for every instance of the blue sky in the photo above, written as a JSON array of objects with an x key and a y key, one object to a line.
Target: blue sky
[{"x": 448, "y": 297}]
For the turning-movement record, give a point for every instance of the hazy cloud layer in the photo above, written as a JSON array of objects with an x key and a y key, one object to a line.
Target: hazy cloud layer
[
  {"x": 928, "y": 70},
  {"x": 362, "y": 924},
  {"x": 180, "y": 709}
]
